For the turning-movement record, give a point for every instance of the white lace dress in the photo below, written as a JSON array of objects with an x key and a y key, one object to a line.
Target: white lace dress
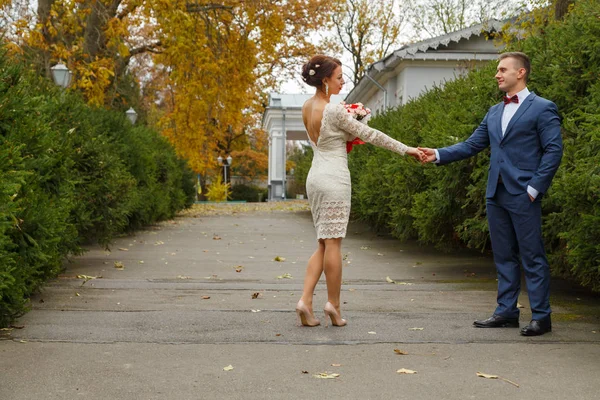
[{"x": 328, "y": 184}]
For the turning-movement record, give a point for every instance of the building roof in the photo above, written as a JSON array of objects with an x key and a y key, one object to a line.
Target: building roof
[
  {"x": 410, "y": 50},
  {"x": 290, "y": 101},
  {"x": 428, "y": 50},
  {"x": 280, "y": 100}
]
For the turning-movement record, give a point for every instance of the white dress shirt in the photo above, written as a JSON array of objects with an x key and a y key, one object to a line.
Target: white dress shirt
[
  {"x": 511, "y": 108},
  {"x": 509, "y": 111}
]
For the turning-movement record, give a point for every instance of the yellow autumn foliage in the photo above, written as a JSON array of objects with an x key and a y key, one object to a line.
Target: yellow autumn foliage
[{"x": 203, "y": 67}]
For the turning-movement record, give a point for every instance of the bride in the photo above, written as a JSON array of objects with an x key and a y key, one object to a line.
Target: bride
[{"x": 329, "y": 127}]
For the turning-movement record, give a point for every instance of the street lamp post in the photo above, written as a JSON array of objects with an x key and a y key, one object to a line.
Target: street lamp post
[
  {"x": 62, "y": 75},
  {"x": 225, "y": 165}
]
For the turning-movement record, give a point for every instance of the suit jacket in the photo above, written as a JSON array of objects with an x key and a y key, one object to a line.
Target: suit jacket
[{"x": 528, "y": 154}]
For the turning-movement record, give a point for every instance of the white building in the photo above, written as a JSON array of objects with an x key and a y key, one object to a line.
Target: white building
[{"x": 412, "y": 69}]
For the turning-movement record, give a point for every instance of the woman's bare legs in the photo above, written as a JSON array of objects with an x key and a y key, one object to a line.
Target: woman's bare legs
[
  {"x": 313, "y": 274},
  {"x": 332, "y": 265}
]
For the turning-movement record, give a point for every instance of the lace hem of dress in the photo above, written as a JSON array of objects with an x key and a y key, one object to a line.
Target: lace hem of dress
[{"x": 333, "y": 219}]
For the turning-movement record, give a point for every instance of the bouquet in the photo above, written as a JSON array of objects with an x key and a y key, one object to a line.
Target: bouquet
[{"x": 359, "y": 112}]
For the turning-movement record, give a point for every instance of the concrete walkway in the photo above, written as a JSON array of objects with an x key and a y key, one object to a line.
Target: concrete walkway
[{"x": 204, "y": 291}]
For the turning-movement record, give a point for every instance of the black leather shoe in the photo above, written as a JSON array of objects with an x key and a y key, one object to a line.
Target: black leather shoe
[
  {"x": 497, "y": 321},
  {"x": 537, "y": 327}
]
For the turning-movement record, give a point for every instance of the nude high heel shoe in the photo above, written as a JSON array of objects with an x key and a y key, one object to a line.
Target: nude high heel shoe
[
  {"x": 304, "y": 315},
  {"x": 331, "y": 313}
]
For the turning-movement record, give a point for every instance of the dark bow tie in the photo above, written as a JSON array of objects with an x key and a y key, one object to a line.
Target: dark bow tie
[{"x": 514, "y": 99}]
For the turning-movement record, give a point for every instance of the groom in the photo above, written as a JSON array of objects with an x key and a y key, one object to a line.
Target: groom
[{"x": 526, "y": 148}]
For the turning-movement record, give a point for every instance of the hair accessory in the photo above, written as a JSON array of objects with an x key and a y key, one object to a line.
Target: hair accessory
[
  {"x": 311, "y": 72},
  {"x": 317, "y": 66}
]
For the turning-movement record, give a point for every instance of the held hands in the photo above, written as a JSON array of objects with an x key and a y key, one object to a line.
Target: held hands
[
  {"x": 429, "y": 155},
  {"x": 418, "y": 154}
]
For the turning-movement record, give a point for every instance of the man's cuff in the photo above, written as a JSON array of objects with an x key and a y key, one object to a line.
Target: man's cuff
[
  {"x": 437, "y": 156},
  {"x": 532, "y": 192}
]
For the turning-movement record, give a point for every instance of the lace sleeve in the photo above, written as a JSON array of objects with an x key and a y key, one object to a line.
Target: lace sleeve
[{"x": 343, "y": 120}]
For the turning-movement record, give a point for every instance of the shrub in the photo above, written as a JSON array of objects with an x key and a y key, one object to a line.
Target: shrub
[
  {"x": 249, "y": 193},
  {"x": 218, "y": 191}
]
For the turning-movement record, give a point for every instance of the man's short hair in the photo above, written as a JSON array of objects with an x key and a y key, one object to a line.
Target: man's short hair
[{"x": 521, "y": 58}]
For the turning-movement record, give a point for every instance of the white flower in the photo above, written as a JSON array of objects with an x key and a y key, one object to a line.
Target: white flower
[{"x": 311, "y": 72}]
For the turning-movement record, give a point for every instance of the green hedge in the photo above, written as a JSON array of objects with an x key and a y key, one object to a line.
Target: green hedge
[
  {"x": 70, "y": 175},
  {"x": 445, "y": 206},
  {"x": 249, "y": 193}
]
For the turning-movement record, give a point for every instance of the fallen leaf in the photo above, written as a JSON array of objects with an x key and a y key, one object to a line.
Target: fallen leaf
[
  {"x": 255, "y": 295},
  {"x": 351, "y": 290},
  {"x": 278, "y": 334},
  {"x": 239, "y": 268},
  {"x": 336, "y": 365},
  {"x": 22, "y": 341},
  {"x": 285, "y": 276},
  {"x": 279, "y": 259},
  {"x": 364, "y": 247},
  {"x": 403, "y": 283},
  {"x": 416, "y": 329},
  {"x": 305, "y": 372},
  {"x": 77, "y": 294},
  {"x": 406, "y": 371},
  {"x": 87, "y": 278},
  {"x": 119, "y": 265},
  {"x": 400, "y": 352},
  {"x": 255, "y": 310},
  {"x": 488, "y": 376},
  {"x": 228, "y": 368},
  {"x": 141, "y": 262},
  {"x": 205, "y": 297},
  {"x": 183, "y": 277},
  {"x": 158, "y": 243},
  {"x": 216, "y": 237},
  {"x": 325, "y": 375},
  {"x": 380, "y": 254},
  {"x": 389, "y": 280},
  {"x": 123, "y": 249},
  {"x": 372, "y": 333},
  {"x": 519, "y": 305}
]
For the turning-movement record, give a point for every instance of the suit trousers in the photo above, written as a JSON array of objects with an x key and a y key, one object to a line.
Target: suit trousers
[{"x": 515, "y": 224}]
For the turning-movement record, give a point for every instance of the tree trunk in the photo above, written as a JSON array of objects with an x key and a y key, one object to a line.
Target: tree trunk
[
  {"x": 561, "y": 8},
  {"x": 43, "y": 14},
  {"x": 94, "y": 40}
]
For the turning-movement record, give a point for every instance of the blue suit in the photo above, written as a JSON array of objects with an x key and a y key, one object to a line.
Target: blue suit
[{"x": 528, "y": 154}]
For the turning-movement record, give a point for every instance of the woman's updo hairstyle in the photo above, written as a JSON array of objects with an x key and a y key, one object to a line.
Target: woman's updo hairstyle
[{"x": 318, "y": 68}]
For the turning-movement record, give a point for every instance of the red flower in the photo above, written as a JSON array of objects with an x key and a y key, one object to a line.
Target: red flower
[{"x": 352, "y": 143}]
